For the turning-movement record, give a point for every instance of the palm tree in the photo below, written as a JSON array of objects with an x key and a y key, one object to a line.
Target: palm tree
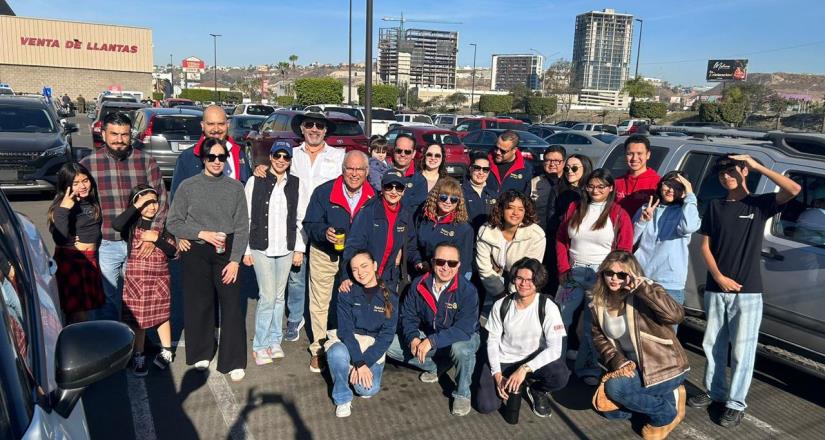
[
  {"x": 639, "y": 88},
  {"x": 293, "y": 58}
]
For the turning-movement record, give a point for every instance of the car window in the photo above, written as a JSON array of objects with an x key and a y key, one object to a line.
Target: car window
[
  {"x": 391, "y": 135},
  {"x": 617, "y": 164},
  {"x": 578, "y": 127},
  {"x": 605, "y": 137},
  {"x": 245, "y": 123},
  {"x": 259, "y": 110},
  {"x": 803, "y": 218},
  {"x": 441, "y": 138},
  {"x": 473, "y": 137},
  {"x": 346, "y": 128},
  {"x": 489, "y": 138},
  {"x": 558, "y": 138},
  {"x": 382, "y": 115},
  {"x": 187, "y": 126},
  {"x": 510, "y": 126},
  {"x": 699, "y": 169},
  {"x": 354, "y": 112},
  {"x": 268, "y": 123},
  {"x": 576, "y": 139},
  {"x": 530, "y": 139},
  {"x": 16, "y": 119},
  {"x": 281, "y": 123},
  {"x": 422, "y": 118}
]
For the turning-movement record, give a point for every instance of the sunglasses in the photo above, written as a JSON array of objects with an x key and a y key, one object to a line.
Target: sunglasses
[
  {"x": 282, "y": 155},
  {"x": 503, "y": 151},
  {"x": 403, "y": 152},
  {"x": 571, "y": 169},
  {"x": 441, "y": 262},
  {"x": 620, "y": 275},
  {"x": 397, "y": 187},
  {"x": 435, "y": 155},
  {"x": 317, "y": 124},
  {"x": 444, "y": 198},
  {"x": 480, "y": 168},
  {"x": 214, "y": 157}
]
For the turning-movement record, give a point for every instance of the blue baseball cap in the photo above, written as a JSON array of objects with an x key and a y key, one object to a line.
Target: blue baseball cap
[
  {"x": 281, "y": 146},
  {"x": 393, "y": 176}
]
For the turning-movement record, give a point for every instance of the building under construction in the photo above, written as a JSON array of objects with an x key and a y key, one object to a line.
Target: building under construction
[{"x": 417, "y": 57}]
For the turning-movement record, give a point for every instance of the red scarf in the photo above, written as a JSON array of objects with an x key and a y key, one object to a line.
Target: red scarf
[{"x": 392, "y": 216}]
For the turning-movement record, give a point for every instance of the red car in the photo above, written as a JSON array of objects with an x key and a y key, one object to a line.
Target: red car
[
  {"x": 278, "y": 126},
  {"x": 458, "y": 160},
  {"x": 469, "y": 125}
]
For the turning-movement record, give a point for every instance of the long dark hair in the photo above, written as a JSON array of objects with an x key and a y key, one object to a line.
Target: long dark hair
[
  {"x": 586, "y": 164},
  {"x": 442, "y": 168},
  {"x": 139, "y": 190},
  {"x": 65, "y": 179},
  {"x": 384, "y": 290},
  {"x": 497, "y": 212},
  {"x": 669, "y": 179},
  {"x": 604, "y": 175}
]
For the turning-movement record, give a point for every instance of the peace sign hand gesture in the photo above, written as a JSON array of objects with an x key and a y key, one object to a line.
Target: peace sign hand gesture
[
  {"x": 68, "y": 199},
  {"x": 647, "y": 212}
]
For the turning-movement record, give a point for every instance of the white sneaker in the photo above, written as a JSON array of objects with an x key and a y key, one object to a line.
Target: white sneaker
[
  {"x": 343, "y": 410},
  {"x": 237, "y": 374},
  {"x": 202, "y": 365},
  {"x": 276, "y": 352}
]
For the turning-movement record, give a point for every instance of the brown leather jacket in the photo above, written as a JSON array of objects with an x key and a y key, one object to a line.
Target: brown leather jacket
[{"x": 651, "y": 313}]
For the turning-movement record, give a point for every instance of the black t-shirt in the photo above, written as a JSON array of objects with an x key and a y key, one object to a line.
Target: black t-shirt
[
  {"x": 504, "y": 167},
  {"x": 735, "y": 230}
]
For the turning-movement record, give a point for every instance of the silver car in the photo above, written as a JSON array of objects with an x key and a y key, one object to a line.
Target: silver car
[
  {"x": 588, "y": 143},
  {"x": 164, "y": 133}
]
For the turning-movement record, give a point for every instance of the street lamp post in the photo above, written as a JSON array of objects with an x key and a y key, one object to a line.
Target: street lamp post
[
  {"x": 215, "y": 67},
  {"x": 349, "y": 65},
  {"x": 368, "y": 79},
  {"x": 473, "y": 89},
  {"x": 172, "y": 74},
  {"x": 639, "y": 47}
]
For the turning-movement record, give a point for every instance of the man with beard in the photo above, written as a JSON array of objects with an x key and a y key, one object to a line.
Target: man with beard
[
  {"x": 117, "y": 168},
  {"x": 214, "y": 125},
  {"x": 507, "y": 168}
]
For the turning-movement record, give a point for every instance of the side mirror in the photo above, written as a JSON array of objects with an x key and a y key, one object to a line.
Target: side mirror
[
  {"x": 70, "y": 127},
  {"x": 87, "y": 352},
  {"x": 78, "y": 153},
  {"x": 91, "y": 116}
]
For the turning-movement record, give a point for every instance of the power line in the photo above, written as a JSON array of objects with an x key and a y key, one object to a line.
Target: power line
[{"x": 815, "y": 43}]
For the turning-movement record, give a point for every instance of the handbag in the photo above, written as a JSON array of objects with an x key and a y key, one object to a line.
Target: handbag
[{"x": 601, "y": 402}]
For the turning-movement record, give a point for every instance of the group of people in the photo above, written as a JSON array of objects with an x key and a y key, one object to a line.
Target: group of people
[{"x": 394, "y": 258}]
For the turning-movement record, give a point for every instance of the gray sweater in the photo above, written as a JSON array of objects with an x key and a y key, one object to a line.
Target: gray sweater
[{"x": 206, "y": 203}]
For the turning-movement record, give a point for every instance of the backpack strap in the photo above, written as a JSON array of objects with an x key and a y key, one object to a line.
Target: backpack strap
[{"x": 508, "y": 301}]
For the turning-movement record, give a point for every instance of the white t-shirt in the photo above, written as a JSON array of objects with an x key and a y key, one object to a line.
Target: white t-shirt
[
  {"x": 523, "y": 335},
  {"x": 588, "y": 246},
  {"x": 327, "y": 165}
]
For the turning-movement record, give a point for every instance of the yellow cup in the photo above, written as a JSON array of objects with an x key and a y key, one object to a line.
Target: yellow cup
[{"x": 340, "y": 236}]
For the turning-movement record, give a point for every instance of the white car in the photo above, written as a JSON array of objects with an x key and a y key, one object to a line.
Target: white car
[
  {"x": 601, "y": 128},
  {"x": 253, "y": 109},
  {"x": 413, "y": 117}
]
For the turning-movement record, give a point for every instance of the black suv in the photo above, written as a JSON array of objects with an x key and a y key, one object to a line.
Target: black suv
[
  {"x": 104, "y": 110},
  {"x": 33, "y": 144}
]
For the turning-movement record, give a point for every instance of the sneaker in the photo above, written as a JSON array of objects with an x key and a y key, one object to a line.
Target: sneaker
[
  {"x": 731, "y": 418},
  {"x": 202, "y": 365},
  {"x": 343, "y": 410},
  {"x": 365, "y": 397},
  {"x": 237, "y": 374},
  {"x": 293, "y": 330},
  {"x": 275, "y": 351},
  {"x": 572, "y": 354},
  {"x": 262, "y": 357},
  {"x": 540, "y": 402},
  {"x": 591, "y": 380},
  {"x": 428, "y": 377},
  {"x": 164, "y": 359},
  {"x": 461, "y": 406},
  {"x": 315, "y": 364},
  {"x": 700, "y": 401},
  {"x": 139, "y": 367}
]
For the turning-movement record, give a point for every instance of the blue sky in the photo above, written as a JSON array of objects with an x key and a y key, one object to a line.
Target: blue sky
[{"x": 678, "y": 36}]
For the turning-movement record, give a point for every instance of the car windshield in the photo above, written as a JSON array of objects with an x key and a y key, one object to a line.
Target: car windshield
[
  {"x": 382, "y": 115},
  {"x": 260, "y": 110},
  {"x": 346, "y": 128},
  {"x": 441, "y": 138},
  {"x": 529, "y": 139},
  {"x": 354, "y": 112},
  {"x": 118, "y": 99},
  {"x": 182, "y": 125},
  {"x": 624, "y": 123},
  {"x": 247, "y": 123},
  {"x": 422, "y": 118},
  {"x": 107, "y": 110},
  {"x": 605, "y": 137},
  {"x": 25, "y": 120},
  {"x": 511, "y": 126}
]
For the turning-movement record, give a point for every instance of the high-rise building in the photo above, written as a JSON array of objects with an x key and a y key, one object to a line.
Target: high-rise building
[
  {"x": 417, "y": 57},
  {"x": 509, "y": 70},
  {"x": 601, "y": 52}
]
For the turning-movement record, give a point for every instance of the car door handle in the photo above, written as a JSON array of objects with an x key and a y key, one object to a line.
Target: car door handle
[{"x": 772, "y": 254}]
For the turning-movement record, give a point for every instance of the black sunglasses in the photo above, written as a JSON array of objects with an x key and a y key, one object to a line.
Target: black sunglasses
[
  {"x": 621, "y": 275},
  {"x": 573, "y": 168},
  {"x": 403, "y": 152},
  {"x": 503, "y": 151},
  {"x": 281, "y": 155},
  {"x": 319, "y": 125},
  {"x": 214, "y": 157},
  {"x": 446, "y": 197},
  {"x": 480, "y": 168},
  {"x": 440, "y": 262},
  {"x": 394, "y": 186}
]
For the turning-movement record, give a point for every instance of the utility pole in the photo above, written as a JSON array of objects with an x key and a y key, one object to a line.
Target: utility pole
[
  {"x": 639, "y": 46},
  {"x": 349, "y": 65},
  {"x": 215, "y": 68},
  {"x": 473, "y": 89},
  {"x": 172, "y": 74},
  {"x": 368, "y": 79}
]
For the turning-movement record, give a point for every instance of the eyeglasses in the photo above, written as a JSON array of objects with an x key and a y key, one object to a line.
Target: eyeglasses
[
  {"x": 503, "y": 151},
  {"x": 317, "y": 124},
  {"x": 522, "y": 280},
  {"x": 480, "y": 168},
  {"x": 444, "y": 198},
  {"x": 571, "y": 169},
  {"x": 354, "y": 170},
  {"x": 435, "y": 155},
  {"x": 403, "y": 152},
  {"x": 281, "y": 155},
  {"x": 620, "y": 275},
  {"x": 554, "y": 161},
  {"x": 397, "y": 187},
  {"x": 214, "y": 157},
  {"x": 596, "y": 187},
  {"x": 439, "y": 262}
]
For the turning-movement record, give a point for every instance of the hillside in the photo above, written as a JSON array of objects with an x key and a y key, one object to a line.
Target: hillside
[{"x": 797, "y": 83}]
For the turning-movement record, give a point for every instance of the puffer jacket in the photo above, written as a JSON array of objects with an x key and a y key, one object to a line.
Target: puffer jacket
[
  {"x": 651, "y": 313},
  {"x": 529, "y": 241}
]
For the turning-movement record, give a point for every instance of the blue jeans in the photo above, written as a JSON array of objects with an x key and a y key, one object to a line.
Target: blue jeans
[
  {"x": 296, "y": 299},
  {"x": 657, "y": 401},
  {"x": 732, "y": 319},
  {"x": 462, "y": 355},
  {"x": 271, "y": 273},
  {"x": 679, "y": 297},
  {"x": 571, "y": 298},
  {"x": 112, "y": 257},
  {"x": 339, "y": 367}
]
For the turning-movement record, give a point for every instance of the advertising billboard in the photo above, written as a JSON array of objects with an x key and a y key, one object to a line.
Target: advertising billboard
[
  {"x": 193, "y": 65},
  {"x": 727, "y": 70}
]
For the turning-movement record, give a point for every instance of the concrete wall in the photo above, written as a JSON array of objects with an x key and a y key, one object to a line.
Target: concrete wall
[{"x": 32, "y": 79}]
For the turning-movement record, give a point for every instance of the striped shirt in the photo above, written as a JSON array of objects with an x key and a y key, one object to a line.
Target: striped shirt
[{"x": 115, "y": 180}]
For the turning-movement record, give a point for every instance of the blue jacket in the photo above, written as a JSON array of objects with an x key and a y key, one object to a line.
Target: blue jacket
[
  {"x": 662, "y": 243},
  {"x": 518, "y": 177},
  {"x": 377, "y": 170},
  {"x": 453, "y": 318},
  {"x": 327, "y": 208},
  {"x": 478, "y": 207},
  {"x": 365, "y": 316},
  {"x": 189, "y": 164},
  {"x": 370, "y": 231},
  {"x": 416, "y": 193},
  {"x": 429, "y": 233}
]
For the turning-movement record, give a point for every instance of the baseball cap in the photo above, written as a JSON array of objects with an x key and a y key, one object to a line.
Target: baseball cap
[
  {"x": 281, "y": 146},
  {"x": 393, "y": 176}
]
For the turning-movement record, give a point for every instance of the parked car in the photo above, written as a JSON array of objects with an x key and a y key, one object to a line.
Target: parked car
[
  {"x": 5, "y": 89},
  {"x": 96, "y": 127},
  {"x": 115, "y": 97},
  {"x": 484, "y": 123},
  {"x": 45, "y": 368},
  {"x": 34, "y": 144},
  {"x": 253, "y": 109},
  {"x": 588, "y": 143},
  {"x": 599, "y": 128},
  {"x": 174, "y": 102},
  {"x": 449, "y": 120},
  {"x": 700, "y": 124},
  {"x": 793, "y": 254},
  {"x": 543, "y": 130},
  {"x": 630, "y": 126},
  {"x": 458, "y": 161},
  {"x": 241, "y": 125},
  {"x": 164, "y": 133},
  {"x": 404, "y": 118},
  {"x": 381, "y": 118},
  {"x": 228, "y": 108},
  {"x": 531, "y": 146},
  {"x": 566, "y": 124}
]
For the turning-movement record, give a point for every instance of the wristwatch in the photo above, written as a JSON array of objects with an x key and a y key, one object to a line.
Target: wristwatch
[{"x": 526, "y": 368}]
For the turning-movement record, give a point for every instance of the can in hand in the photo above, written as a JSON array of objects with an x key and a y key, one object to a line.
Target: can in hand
[
  {"x": 340, "y": 236},
  {"x": 222, "y": 248}
]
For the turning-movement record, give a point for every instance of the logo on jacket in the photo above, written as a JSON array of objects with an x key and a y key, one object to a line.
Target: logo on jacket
[
  {"x": 339, "y": 141},
  {"x": 409, "y": 184},
  {"x": 378, "y": 309},
  {"x": 491, "y": 202},
  {"x": 517, "y": 176},
  {"x": 452, "y": 306},
  {"x": 400, "y": 228},
  {"x": 447, "y": 233},
  {"x": 749, "y": 216}
]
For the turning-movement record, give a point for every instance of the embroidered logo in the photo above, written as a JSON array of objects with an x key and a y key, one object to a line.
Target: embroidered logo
[
  {"x": 749, "y": 216},
  {"x": 452, "y": 306},
  {"x": 516, "y": 176},
  {"x": 400, "y": 228},
  {"x": 378, "y": 309},
  {"x": 447, "y": 233}
]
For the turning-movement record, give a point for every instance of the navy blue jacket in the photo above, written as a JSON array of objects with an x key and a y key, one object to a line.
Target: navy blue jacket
[
  {"x": 189, "y": 164},
  {"x": 365, "y": 316},
  {"x": 328, "y": 208},
  {"x": 370, "y": 231},
  {"x": 478, "y": 207},
  {"x": 429, "y": 233},
  {"x": 518, "y": 177},
  {"x": 453, "y": 318},
  {"x": 416, "y": 193}
]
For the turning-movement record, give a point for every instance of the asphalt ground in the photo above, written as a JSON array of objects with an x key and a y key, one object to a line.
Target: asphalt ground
[{"x": 284, "y": 400}]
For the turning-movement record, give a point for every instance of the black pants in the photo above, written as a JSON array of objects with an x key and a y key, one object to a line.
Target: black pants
[
  {"x": 549, "y": 378},
  {"x": 202, "y": 286}
]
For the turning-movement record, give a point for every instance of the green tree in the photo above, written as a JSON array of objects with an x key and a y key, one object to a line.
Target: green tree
[
  {"x": 710, "y": 112},
  {"x": 639, "y": 88},
  {"x": 495, "y": 103},
  {"x": 413, "y": 102},
  {"x": 733, "y": 111},
  {"x": 457, "y": 99},
  {"x": 648, "y": 110},
  {"x": 284, "y": 101},
  {"x": 293, "y": 59},
  {"x": 519, "y": 93},
  {"x": 777, "y": 104},
  {"x": 383, "y": 95},
  {"x": 157, "y": 96},
  {"x": 541, "y": 107},
  {"x": 309, "y": 91}
]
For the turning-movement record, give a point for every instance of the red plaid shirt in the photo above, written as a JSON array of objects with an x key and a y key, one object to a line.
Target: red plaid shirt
[{"x": 115, "y": 180}]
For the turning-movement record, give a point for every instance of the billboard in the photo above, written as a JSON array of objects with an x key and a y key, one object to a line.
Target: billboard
[
  {"x": 192, "y": 65},
  {"x": 727, "y": 70}
]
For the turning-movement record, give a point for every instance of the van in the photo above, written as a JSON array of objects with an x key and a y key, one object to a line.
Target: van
[{"x": 793, "y": 248}]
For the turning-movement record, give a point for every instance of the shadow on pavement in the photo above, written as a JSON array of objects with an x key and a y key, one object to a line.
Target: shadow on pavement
[{"x": 258, "y": 401}]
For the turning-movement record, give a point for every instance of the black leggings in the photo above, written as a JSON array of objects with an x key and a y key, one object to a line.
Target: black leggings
[{"x": 549, "y": 378}]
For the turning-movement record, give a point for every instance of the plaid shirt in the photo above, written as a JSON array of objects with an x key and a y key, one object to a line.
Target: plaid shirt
[{"x": 115, "y": 180}]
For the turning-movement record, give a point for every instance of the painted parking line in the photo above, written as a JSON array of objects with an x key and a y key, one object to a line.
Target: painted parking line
[
  {"x": 765, "y": 426},
  {"x": 228, "y": 405},
  {"x": 142, "y": 420}
]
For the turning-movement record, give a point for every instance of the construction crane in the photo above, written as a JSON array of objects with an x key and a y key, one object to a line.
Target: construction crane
[{"x": 401, "y": 20}]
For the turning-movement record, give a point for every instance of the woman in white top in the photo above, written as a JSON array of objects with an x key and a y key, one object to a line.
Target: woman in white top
[
  {"x": 524, "y": 344},
  {"x": 511, "y": 233},
  {"x": 433, "y": 166}
]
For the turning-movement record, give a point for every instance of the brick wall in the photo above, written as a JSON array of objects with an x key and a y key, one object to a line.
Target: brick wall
[{"x": 89, "y": 83}]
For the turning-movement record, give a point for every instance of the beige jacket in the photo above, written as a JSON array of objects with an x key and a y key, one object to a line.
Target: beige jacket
[{"x": 491, "y": 260}]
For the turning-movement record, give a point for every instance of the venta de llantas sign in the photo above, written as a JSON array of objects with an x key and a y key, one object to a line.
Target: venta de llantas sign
[{"x": 77, "y": 44}]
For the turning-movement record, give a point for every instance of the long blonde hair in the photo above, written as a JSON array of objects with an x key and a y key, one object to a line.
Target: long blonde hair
[
  {"x": 630, "y": 264},
  {"x": 447, "y": 185}
]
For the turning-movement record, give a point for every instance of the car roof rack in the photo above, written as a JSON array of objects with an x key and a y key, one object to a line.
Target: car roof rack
[
  {"x": 803, "y": 145},
  {"x": 705, "y": 132}
]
